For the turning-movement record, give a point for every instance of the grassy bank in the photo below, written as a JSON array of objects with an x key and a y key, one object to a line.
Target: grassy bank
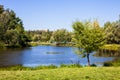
[
  {"x": 114, "y": 47},
  {"x": 20, "y": 67},
  {"x": 86, "y": 73},
  {"x": 52, "y": 44},
  {"x": 38, "y": 43}
]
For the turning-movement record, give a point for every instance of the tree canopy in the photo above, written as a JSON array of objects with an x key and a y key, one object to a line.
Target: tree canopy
[
  {"x": 61, "y": 35},
  {"x": 88, "y": 37},
  {"x": 12, "y": 32},
  {"x": 112, "y": 31},
  {"x": 11, "y": 29}
]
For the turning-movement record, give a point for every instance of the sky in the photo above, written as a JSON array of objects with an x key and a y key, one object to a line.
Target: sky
[{"x": 59, "y": 14}]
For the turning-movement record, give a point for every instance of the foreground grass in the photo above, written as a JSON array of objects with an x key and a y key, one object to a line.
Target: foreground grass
[{"x": 85, "y": 73}]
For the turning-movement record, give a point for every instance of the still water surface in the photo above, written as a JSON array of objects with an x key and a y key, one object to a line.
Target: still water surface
[{"x": 46, "y": 55}]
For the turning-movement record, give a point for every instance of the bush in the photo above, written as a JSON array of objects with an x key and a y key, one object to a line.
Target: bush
[
  {"x": 93, "y": 65},
  {"x": 107, "y": 64}
]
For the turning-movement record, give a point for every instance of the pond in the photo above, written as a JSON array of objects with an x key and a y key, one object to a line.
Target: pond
[{"x": 46, "y": 55}]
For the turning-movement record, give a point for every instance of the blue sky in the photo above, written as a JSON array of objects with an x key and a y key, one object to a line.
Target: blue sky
[{"x": 57, "y": 14}]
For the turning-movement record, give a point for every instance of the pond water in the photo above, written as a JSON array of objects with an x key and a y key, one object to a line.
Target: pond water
[{"x": 46, "y": 55}]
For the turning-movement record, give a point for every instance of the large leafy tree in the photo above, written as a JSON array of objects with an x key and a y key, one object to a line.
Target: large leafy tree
[
  {"x": 11, "y": 29},
  {"x": 88, "y": 37}
]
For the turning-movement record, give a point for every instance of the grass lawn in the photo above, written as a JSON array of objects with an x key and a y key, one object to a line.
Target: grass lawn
[{"x": 85, "y": 73}]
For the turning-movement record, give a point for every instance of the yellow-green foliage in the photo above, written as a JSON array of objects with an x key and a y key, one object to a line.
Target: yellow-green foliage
[
  {"x": 86, "y": 73},
  {"x": 38, "y": 43},
  {"x": 111, "y": 47}
]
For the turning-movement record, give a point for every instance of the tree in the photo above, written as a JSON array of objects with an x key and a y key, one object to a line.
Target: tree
[
  {"x": 112, "y": 32},
  {"x": 11, "y": 38},
  {"x": 40, "y": 35},
  {"x": 11, "y": 29},
  {"x": 1, "y": 9},
  {"x": 36, "y": 38},
  {"x": 61, "y": 35},
  {"x": 88, "y": 37},
  {"x": 117, "y": 31},
  {"x": 45, "y": 36}
]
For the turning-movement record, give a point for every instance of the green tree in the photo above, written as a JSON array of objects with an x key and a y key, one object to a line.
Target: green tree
[
  {"x": 40, "y": 35},
  {"x": 45, "y": 36},
  {"x": 11, "y": 29},
  {"x": 116, "y": 33},
  {"x": 108, "y": 29},
  {"x": 11, "y": 38},
  {"x": 36, "y": 38},
  {"x": 112, "y": 32},
  {"x": 61, "y": 35},
  {"x": 1, "y": 9},
  {"x": 88, "y": 37}
]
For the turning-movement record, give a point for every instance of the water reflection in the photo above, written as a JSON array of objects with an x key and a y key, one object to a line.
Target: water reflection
[
  {"x": 11, "y": 57},
  {"x": 107, "y": 53},
  {"x": 45, "y": 55}
]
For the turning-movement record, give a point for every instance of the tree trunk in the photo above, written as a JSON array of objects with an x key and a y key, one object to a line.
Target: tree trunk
[{"x": 88, "y": 59}]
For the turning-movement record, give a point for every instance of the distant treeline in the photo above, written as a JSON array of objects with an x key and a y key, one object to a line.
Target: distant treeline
[
  {"x": 12, "y": 33},
  {"x": 111, "y": 31},
  {"x": 60, "y": 35}
]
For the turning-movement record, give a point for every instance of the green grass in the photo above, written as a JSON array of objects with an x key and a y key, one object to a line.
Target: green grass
[
  {"x": 20, "y": 67},
  {"x": 85, "y": 73}
]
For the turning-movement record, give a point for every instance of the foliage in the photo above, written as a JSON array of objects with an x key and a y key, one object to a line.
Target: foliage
[
  {"x": 88, "y": 37},
  {"x": 114, "y": 47},
  {"x": 115, "y": 63},
  {"x": 86, "y": 73},
  {"x": 11, "y": 29},
  {"x": 61, "y": 35},
  {"x": 112, "y": 31},
  {"x": 107, "y": 64},
  {"x": 40, "y": 35}
]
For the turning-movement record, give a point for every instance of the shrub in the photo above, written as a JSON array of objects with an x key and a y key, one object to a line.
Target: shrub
[
  {"x": 93, "y": 65},
  {"x": 107, "y": 64}
]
